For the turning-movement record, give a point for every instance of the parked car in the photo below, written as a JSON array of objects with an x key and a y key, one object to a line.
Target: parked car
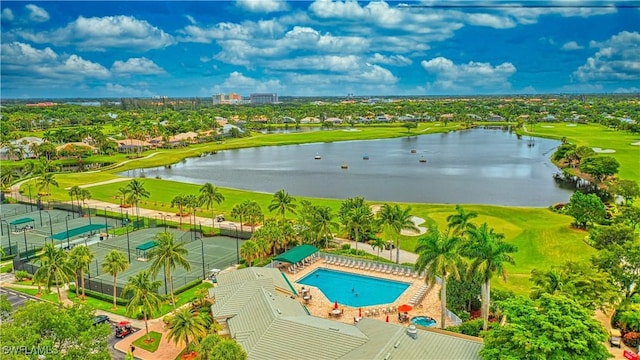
[
  {"x": 100, "y": 319},
  {"x": 615, "y": 338}
]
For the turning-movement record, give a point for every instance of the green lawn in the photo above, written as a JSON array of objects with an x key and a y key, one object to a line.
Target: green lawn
[
  {"x": 48, "y": 296},
  {"x": 149, "y": 346},
  {"x": 598, "y": 136}
]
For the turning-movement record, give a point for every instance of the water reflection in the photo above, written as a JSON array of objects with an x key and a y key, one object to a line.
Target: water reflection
[{"x": 475, "y": 166}]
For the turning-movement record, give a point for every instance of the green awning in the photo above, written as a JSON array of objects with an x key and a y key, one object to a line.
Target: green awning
[
  {"x": 76, "y": 231},
  {"x": 146, "y": 246},
  {"x": 297, "y": 254},
  {"x": 21, "y": 221}
]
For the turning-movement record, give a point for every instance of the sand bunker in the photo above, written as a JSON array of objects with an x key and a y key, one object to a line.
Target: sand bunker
[
  {"x": 572, "y": 125},
  {"x": 350, "y": 130},
  {"x": 637, "y": 143},
  {"x": 416, "y": 221},
  {"x": 547, "y": 126},
  {"x": 603, "y": 151}
]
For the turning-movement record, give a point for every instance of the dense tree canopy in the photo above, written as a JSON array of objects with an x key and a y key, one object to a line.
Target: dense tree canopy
[
  {"x": 604, "y": 236},
  {"x": 59, "y": 332},
  {"x": 551, "y": 327},
  {"x": 600, "y": 166},
  {"x": 585, "y": 209}
]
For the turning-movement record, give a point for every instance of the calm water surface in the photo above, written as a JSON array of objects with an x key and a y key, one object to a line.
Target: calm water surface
[{"x": 479, "y": 166}]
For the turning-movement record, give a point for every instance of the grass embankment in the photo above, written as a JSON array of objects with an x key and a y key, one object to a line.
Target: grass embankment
[
  {"x": 598, "y": 136},
  {"x": 150, "y": 346}
]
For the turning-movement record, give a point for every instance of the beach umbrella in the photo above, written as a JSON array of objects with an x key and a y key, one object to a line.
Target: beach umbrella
[
  {"x": 360, "y": 312},
  {"x": 405, "y": 308},
  {"x": 387, "y": 318},
  {"x": 335, "y": 306}
]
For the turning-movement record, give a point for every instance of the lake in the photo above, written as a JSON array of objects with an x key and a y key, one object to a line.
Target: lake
[{"x": 477, "y": 166}]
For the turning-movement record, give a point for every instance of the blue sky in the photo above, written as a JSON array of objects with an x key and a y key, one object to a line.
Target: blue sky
[{"x": 322, "y": 47}]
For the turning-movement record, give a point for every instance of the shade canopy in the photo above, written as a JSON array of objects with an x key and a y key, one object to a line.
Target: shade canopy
[
  {"x": 63, "y": 235},
  {"x": 297, "y": 254},
  {"x": 405, "y": 307},
  {"x": 21, "y": 221},
  {"x": 146, "y": 246}
]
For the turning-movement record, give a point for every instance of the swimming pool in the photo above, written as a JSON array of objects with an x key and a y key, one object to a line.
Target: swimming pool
[
  {"x": 353, "y": 289},
  {"x": 423, "y": 321}
]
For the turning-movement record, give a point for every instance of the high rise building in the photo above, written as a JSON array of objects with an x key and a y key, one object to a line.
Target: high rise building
[
  {"x": 229, "y": 99},
  {"x": 257, "y": 99}
]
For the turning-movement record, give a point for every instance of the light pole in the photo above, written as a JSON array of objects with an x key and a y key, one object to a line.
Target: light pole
[
  {"x": 128, "y": 245},
  {"x": 30, "y": 203},
  {"x": 237, "y": 244},
  {"x": 164, "y": 219},
  {"x": 26, "y": 249},
  {"x": 66, "y": 222},
  {"x": 8, "y": 235},
  {"x": 106, "y": 225},
  {"x": 50, "y": 226},
  {"x": 39, "y": 205},
  {"x": 204, "y": 276}
]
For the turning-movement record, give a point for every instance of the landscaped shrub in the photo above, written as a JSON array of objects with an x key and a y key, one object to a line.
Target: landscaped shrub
[
  {"x": 471, "y": 328},
  {"x": 187, "y": 286},
  {"x": 631, "y": 339},
  {"x": 101, "y": 296},
  {"x": 22, "y": 275}
]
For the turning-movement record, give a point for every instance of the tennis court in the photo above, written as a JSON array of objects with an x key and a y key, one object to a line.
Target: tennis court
[{"x": 215, "y": 252}]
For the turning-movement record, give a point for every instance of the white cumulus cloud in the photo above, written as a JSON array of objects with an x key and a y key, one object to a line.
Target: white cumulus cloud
[
  {"x": 262, "y": 6},
  {"x": 7, "y": 15},
  {"x": 395, "y": 60},
  {"x": 469, "y": 76},
  {"x": 101, "y": 33},
  {"x": 618, "y": 58},
  {"x": 141, "y": 66},
  {"x": 37, "y": 13},
  {"x": 571, "y": 45},
  {"x": 237, "y": 82}
]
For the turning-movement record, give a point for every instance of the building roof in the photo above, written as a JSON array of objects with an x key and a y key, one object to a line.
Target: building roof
[
  {"x": 269, "y": 323},
  {"x": 297, "y": 254}
]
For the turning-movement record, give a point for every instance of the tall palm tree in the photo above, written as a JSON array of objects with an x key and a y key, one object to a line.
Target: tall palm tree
[
  {"x": 209, "y": 194},
  {"x": 282, "y": 203},
  {"x": 357, "y": 221},
  {"x": 184, "y": 326},
  {"x": 179, "y": 201},
  {"x": 253, "y": 212},
  {"x": 249, "y": 251},
  {"x": 240, "y": 211},
  {"x": 45, "y": 181},
  {"x": 394, "y": 219},
  {"x": 81, "y": 256},
  {"x": 123, "y": 194},
  {"x": 74, "y": 193},
  {"x": 459, "y": 222},
  {"x": 54, "y": 267},
  {"x": 322, "y": 224},
  {"x": 489, "y": 254},
  {"x": 438, "y": 255},
  {"x": 377, "y": 243},
  {"x": 144, "y": 296},
  {"x": 114, "y": 263},
  {"x": 137, "y": 192},
  {"x": 168, "y": 254}
]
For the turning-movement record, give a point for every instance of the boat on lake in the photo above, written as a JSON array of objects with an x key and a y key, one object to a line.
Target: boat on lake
[
  {"x": 413, "y": 151},
  {"x": 422, "y": 159},
  {"x": 365, "y": 156},
  {"x": 344, "y": 165},
  {"x": 317, "y": 157}
]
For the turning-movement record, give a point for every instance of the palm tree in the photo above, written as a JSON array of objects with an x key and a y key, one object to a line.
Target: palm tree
[
  {"x": 281, "y": 203},
  {"x": 81, "y": 256},
  {"x": 377, "y": 243},
  {"x": 249, "y": 251},
  {"x": 240, "y": 211},
  {"x": 459, "y": 221},
  {"x": 322, "y": 224},
  {"x": 184, "y": 326},
  {"x": 54, "y": 267},
  {"x": 74, "y": 193},
  {"x": 123, "y": 194},
  {"x": 137, "y": 192},
  {"x": 144, "y": 296},
  {"x": 45, "y": 181},
  {"x": 114, "y": 263},
  {"x": 168, "y": 254},
  {"x": 9, "y": 175},
  {"x": 394, "y": 219},
  {"x": 253, "y": 212},
  {"x": 489, "y": 254},
  {"x": 179, "y": 201},
  {"x": 210, "y": 194},
  {"x": 358, "y": 220},
  {"x": 438, "y": 255}
]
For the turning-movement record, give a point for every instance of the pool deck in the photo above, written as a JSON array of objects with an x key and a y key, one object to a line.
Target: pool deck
[{"x": 320, "y": 306}]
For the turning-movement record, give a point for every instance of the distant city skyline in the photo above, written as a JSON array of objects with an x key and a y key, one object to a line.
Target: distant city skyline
[{"x": 67, "y": 49}]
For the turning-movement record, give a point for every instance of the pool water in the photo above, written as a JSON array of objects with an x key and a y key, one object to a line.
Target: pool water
[
  {"x": 353, "y": 289},
  {"x": 423, "y": 321}
]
